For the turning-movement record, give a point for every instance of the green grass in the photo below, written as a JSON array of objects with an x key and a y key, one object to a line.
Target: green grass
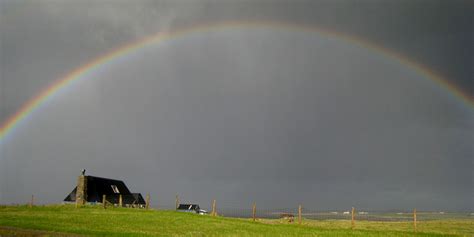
[{"x": 95, "y": 221}]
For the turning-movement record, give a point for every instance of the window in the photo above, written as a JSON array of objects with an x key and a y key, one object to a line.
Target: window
[{"x": 115, "y": 189}]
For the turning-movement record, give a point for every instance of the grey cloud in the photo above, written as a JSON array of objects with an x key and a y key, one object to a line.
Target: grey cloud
[{"x": 237, "y": 115}]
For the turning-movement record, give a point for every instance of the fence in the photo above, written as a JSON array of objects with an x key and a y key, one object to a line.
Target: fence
[
  {"x": 253, "y": 211},
  {"x": 297, "y": 212},
  {"x": 339, "y": 215}
]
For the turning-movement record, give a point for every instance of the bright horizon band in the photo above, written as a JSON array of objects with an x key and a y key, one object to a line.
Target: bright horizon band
[{"x": 13, "y": 121}]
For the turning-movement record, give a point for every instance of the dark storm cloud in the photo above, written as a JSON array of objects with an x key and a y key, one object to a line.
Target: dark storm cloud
[
  {"x": 437, "y": 34},
  {"x": 242, "y": 116}
]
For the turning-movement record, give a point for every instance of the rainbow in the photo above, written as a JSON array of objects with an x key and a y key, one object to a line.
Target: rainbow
[{"x": 34, "y": 103}]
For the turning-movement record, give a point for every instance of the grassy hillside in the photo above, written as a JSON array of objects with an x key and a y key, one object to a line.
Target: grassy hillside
[{"x": 96, "y": 221}]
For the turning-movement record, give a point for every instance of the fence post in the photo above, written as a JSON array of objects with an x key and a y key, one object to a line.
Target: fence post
[
  {"x": 32, "y": 202},
  {"x": 254, "y": 211},
  {"x": 147, "y": 204},
  {"x": 352, "y": 218},
  {"x": 120, "y": 200},
  {"x": 214, "y": 207},
  {"x": 214, "y": 211},
  {"x": 299, "y": 214},
  {"x": 104, "y": 201},
  {"x": 177, "y": 201},
  {"x": 414, "y": 219}
]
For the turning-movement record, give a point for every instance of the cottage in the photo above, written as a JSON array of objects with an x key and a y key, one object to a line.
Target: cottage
[{"x": 90, "y": 189}]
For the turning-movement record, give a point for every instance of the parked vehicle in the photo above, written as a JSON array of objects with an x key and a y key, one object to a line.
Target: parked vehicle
[
  {"x": 202, "y": 212},
  {"x": 193, "y": 208}
]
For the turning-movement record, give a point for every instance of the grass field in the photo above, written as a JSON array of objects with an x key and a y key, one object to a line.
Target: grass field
[{"x": 94, "y": 221}]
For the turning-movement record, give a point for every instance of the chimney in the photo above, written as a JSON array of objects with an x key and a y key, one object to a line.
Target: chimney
[{"x": 81, "y": 190}]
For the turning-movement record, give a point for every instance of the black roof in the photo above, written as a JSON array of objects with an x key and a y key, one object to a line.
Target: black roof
[{"x": 97, "y": 187}]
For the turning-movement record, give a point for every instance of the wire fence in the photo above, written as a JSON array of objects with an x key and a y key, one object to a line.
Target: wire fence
[
  {"x": 292, "y": 214},
  {"x": 285, "y": 213},
  {"x": 313, "y": 214}
]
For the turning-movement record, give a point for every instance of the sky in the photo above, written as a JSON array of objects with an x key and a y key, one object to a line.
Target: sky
[{"x": 271, "y": 115}]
